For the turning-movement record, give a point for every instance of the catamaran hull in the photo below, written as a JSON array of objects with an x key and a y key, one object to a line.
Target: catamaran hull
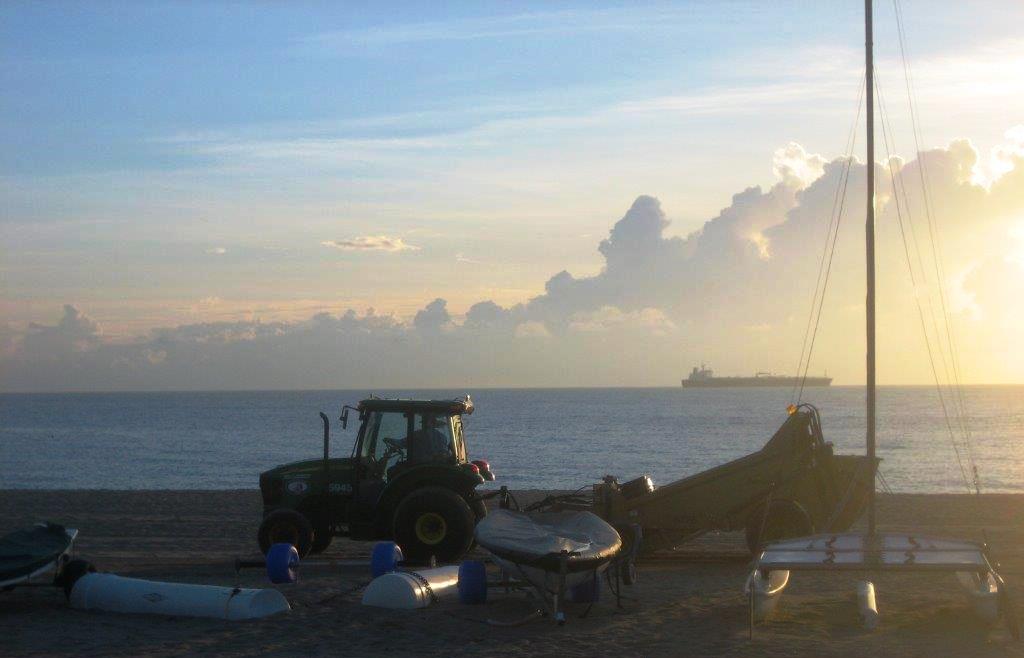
[
  {"x": 764, "y": 591},
  {"x": 795, "y": 468},
  {"x": 982, "y": 594}
]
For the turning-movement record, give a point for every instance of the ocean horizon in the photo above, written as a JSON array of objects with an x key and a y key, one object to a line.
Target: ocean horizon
[{"x": 535, "y": 438}]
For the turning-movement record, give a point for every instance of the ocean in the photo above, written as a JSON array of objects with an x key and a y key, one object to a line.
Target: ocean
[{"x": 533, "y": 438}]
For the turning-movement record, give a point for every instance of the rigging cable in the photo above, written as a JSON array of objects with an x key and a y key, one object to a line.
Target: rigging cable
[
  {"x": 936, "y": 246},
  {"x": 825, "y": 264},
  {"x": 886, "y": 129}
]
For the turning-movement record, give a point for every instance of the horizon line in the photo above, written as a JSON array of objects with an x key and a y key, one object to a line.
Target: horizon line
[{"x": 468, "y": 389}]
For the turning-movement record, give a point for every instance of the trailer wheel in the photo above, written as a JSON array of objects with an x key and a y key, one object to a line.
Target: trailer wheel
[
  {"x": 479, "y": 509},
  {"x": 69, "y": 574},
  {"x": 479, "y": 512},
  {"x": 286, "y": 526},
  {"x": 785, "y": 519},
  {"x": 433, "y": 521},
  {"x": 322, "y": 538},
  {"x": 628, "y": 571}
]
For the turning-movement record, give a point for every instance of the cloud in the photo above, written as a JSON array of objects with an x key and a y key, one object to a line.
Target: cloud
[
  {"x": 608, "y": 318},
  {"x": 217, "y": 251},
  {"x": 371, "y": 243},
  {"x": 796, "y": 166},
  {"x": 461, "y": 258},
  {"x": 532, "y": 330},
  {"x": 735, "y": 293},
  {"x": 433, "y": 318},
  {"x": 74, "y": 333},
  {"x": 522, "y": 25}
]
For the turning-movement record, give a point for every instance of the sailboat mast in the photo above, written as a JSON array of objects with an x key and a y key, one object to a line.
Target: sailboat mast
[{"x": 869, "y": 232}]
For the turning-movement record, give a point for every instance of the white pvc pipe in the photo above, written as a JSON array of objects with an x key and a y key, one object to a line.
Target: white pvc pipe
[
  {"x": 105, "y": 591},
  {"x": 866, "y": 604},
  {"x": 413, "y": 589}
]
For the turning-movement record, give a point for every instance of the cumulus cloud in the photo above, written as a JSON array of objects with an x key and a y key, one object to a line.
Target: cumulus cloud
[
  {"x": 735, "y": 293},
  {"x": 75, "y": 330},
  {"x": 371, "y": 243},
  {"x": 532, "y": 329},
  {"x": 462, "y": 258},
  {"x": 796, "y": 166},
  {"x": 608, "y": 318},
  {"x": 434, "y": 317}
]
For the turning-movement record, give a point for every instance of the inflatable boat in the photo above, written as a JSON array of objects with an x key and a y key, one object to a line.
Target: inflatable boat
[
  {"x": 27, "y": 554},
  {"x": 552, "y": 551}
]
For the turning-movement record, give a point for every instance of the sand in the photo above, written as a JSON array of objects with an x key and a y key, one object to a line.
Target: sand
[{"x": 688, "y": 605}]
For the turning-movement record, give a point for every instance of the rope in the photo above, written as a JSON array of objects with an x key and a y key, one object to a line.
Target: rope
[
  {"x": 881, "y": 479},
  {"x": 936, "y": 247},
  {"x": 827, "y": 254},
  {"x": 886, "y": 129},
  {"x": 426, "y": 585}
]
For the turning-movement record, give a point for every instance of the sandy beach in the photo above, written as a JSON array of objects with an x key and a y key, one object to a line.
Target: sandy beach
[{"x": 689, "y": 604}]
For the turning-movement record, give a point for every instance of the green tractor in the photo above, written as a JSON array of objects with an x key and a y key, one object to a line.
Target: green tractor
[{"x": 408, "y": 479}]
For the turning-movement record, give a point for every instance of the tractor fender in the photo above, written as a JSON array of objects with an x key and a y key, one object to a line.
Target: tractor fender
[{"x": 451, "y": 477}]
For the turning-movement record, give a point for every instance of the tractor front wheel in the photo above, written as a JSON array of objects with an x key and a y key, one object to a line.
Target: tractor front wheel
[
  {"x": 433, "y": 521},
  {"x": 289, "y": 527}
]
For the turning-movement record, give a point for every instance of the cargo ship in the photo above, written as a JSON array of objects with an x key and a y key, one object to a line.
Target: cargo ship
[{"x": 704, "y": 378}]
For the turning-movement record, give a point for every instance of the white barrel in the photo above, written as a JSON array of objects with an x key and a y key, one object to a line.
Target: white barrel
[
  {"x": 405, "y": 590},
  {"x": 105, "y": 591},
  {"x": 765, "y": 592},
  {"x": 866, "y": 604}
]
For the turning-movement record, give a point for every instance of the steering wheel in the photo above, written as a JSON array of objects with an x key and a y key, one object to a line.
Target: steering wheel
[{"x": 392, "y": 444}]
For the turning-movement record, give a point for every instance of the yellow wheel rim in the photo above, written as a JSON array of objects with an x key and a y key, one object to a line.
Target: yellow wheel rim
[{"x": 431, "y": 528}]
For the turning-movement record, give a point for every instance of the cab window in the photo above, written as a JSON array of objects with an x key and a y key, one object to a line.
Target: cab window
[
  {"x": 460, "y": 444},
  {"x": 432, "y": 439},
  {"x": 385, "y": 444}
]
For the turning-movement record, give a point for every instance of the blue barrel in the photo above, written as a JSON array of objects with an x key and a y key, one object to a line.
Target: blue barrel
[
  {"x": 473, "y": 582},
  {"x": 282, "y": 563},
  {"x": 385, "y": 558}
]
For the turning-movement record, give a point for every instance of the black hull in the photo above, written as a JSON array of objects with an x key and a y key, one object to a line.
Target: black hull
[{"x": 755, "y": 382}]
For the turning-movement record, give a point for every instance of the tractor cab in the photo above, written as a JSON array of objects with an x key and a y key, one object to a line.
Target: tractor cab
[
  {"x": 408, "y": 455},
  {"x": 396, "y": 435}
]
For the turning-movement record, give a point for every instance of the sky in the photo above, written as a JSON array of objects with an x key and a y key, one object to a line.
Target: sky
[{"x": 315, "y": 195}]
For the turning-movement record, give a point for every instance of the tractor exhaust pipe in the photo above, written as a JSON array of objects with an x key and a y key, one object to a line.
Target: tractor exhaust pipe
[{"x": 327, "y": 442}]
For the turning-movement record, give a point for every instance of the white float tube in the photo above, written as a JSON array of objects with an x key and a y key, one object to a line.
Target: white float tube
[
  {"x": 407, "y": 590},
  {"x": 105, "y": 591},
  {"x": 765, "y": 592},
  {"x": 983, "y": 593},
  {"x": 866, "y": 604}
]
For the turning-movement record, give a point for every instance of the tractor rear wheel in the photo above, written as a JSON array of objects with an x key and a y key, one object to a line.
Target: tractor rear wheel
[
  {"x": 289, "y": 527},
  {"x": 433, "y": 521},
  {"x": 785, "y": 519}
]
